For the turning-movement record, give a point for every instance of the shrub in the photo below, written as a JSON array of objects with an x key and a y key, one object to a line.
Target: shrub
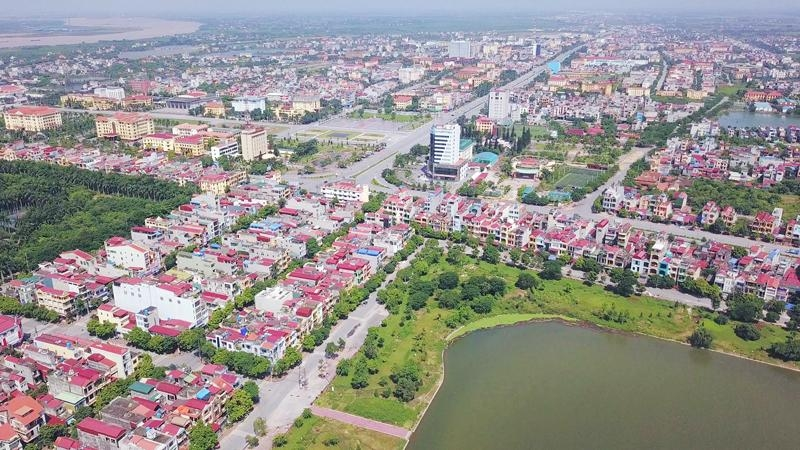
[
  {"x": 701, "y": 338},
  {"x": 747, "y": 331}
]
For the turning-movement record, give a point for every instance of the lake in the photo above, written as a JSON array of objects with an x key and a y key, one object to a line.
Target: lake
[
  {"x": 743, "y": 119},
  {"x": 554, "y": 386}
]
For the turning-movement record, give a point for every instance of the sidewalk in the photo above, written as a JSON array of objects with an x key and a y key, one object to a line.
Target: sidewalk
[{"x": 362, "y": 422}]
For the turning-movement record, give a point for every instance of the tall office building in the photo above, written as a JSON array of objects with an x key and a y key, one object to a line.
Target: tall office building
[
  {"x": 536, "y": 49},
  {"x": 254, "y": 144},
  {"x": 449, "y": 154},
  {"x": 499, "y": 104},
  {"x": 460, "y": 49}
]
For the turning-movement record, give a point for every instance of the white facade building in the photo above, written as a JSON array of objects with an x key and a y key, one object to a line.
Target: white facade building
[
  {"x": 172, "y": 300},
  {"x": 228, "y": 148},
  {"x": 248, "y": 103},
  {"x": 346, "y": 191},
  {"x": 449, "y": 155},
  {"x": 445, "y": 144},
  {"x": 117, "y": 93},
  {"x": 135, "y": 258},
  {"x": 410, "y": 74},
  {"x": 460, "y": 49},
  {"x": 499, "y": 104},
  {"x": 255, "y": 144}
]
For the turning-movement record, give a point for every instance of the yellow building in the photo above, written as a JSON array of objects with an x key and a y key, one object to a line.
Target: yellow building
[
  {"x": 214, "y": 109},
  {"x": 89, "y": 101},
  {"x": 118, "y": 316},
  {"x": 126, "y": 126},
  {"x": 62, "y": 302},
  {"x": 696, "y": 95},
  {"x": 190, "y": 145},
  {"x": 32, "y": 118},
  {"x": 164, "y": 142},
  {"x": 220, "y": 183}
]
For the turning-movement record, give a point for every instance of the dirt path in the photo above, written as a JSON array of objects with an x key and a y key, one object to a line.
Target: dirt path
[{"x": 362, "y": 422}]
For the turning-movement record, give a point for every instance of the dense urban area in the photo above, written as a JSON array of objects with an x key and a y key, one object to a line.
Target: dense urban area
[{"x": 251, "y": 236}]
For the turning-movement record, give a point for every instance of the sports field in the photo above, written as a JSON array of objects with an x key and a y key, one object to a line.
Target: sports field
[{"x": 577, "y": 177}]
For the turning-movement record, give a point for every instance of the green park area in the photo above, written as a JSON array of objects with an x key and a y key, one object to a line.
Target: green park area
[
  {"x": 444, "y": 295},
  {"x": 47, "y": 209},
  {"x": 318, "y": 433}
]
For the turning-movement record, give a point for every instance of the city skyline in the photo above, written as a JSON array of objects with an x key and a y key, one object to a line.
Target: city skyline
[{"x": 189, "y": 9}]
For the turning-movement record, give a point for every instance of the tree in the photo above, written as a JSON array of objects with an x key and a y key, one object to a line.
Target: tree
[
  {"x": 239, "y": 405},
  {"x": 312, "y": 248},
  {"x": 491, "y": 254},
  {"x": 360, "y": 378},
  {"x": 49, "y": 433},
  {"x": 745, "y": 307},
  {"x": 701, "y": 338},
  {"x": 625, "y": 283},
  {"x": 551, "y": 270},
  {"x": 448, "y": 280},
  {"x": 449, "y": 299},
  {"x": 102, "y": 330},
  {"x": 191, "y": 339},
  {"x": 747, "y": 331},
  {"x": 527, "y": 280},
  {"x": 251, "y": 388},
  {"x": 331, "y": 350},
  {"x": 260, "y": 427},
  {"x": 252, "y": 441},
  {"x": 590, "y": 278},
  {"x": 788, "y": 350},
  {"x": 138, "y": 338},
  {"x": 202, "y": 437}
]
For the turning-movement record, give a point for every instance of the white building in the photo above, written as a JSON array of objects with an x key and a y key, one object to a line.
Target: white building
[
  {"x": 410, "y": 74},
  {"x": 135, "y": 258},
  {"x": 10, "y": 330},
  {"x": 117, "y": 93},
  {"x": 172, "y": 300},
  {"x": 461, "y": 49},
  {"x": 228, "y": 148},
  {"x": 248, "y": 103},
  {"x": 499, "y": 104},
  {"x": 255, "y": 144},
  {"x": 347, "y": 191},
  {"x": 273, "y": 299},
  {"x": 449, "y": 155}
]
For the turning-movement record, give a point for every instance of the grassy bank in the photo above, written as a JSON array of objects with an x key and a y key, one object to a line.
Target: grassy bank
[
  {"x": 501, "y": 321},
  {"x": 319, "y": 433},
  {"x": 419, "y": 337}
]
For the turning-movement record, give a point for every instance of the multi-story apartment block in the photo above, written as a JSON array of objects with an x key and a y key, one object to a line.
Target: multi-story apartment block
[
  {"x": 255, "y": 144},
  {"x": 346, "y": 191},
  {"x": 125, "y": 126},
  {"x": 172, "y": 299}
]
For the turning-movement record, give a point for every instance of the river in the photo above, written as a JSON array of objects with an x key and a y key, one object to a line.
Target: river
[
  {"x": 744, "y": 119},
  {"x": 554, "y": 386}
]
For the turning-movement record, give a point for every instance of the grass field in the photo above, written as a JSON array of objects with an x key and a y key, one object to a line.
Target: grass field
[
  {"x": 421, "y": 336},
  {"x": 318, "y": 433},
  {"x": 790, "y": 204},
  {"x": 577, "y": 177}
]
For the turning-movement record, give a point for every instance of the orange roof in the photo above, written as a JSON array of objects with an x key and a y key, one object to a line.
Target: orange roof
[
  {"x": 24, "y": 409},
  {"x": 7, "y": 433},
  {"x": 32, "y": 111}
]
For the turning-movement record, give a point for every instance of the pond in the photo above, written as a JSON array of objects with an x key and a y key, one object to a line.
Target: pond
[
  {"x": 745, "y": 119},
  {"x": 555, "y": 386}
]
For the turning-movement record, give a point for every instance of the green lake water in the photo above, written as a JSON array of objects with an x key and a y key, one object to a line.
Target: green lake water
[{"x": 554, "y": 386}]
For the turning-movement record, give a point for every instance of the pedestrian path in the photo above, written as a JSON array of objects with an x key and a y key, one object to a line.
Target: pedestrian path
[{"x": 362, "y": 422}]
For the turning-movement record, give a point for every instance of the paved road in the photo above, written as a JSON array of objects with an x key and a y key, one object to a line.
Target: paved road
[
  {"x": 361, "y": 422},
  {"x": 370, "y": 168},
  {"x": 282, "y": 401}
]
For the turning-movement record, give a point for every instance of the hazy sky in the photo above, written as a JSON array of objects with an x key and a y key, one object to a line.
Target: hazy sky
[{"x": 195, "y": 8}]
